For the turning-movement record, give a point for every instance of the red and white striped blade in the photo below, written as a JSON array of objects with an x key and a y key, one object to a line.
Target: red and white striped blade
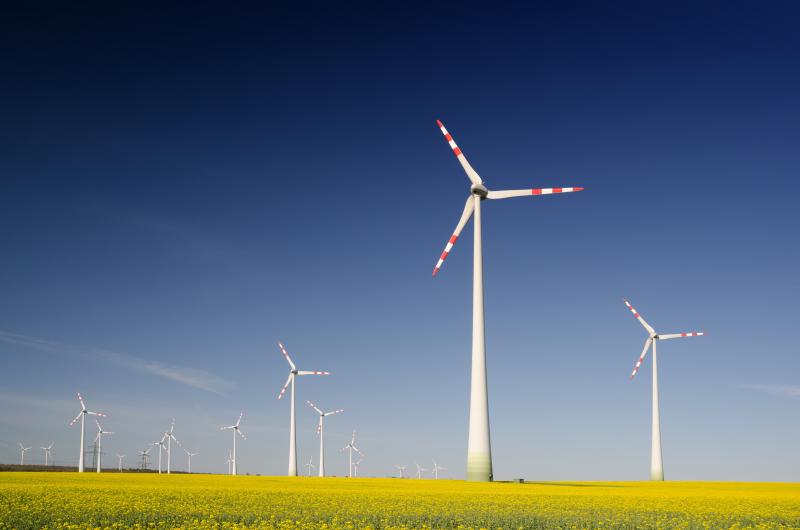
[
  {"x": 314, "y": 407},
  {"x": 471, "y": 173},
  {"x": 286, "y": 354},
  {"x": 469, "y": 207},
  {"x": 80, "y": 398},
  {"x": 319, "y": 425},
  {"x": 639, "y": 318},
  {"x": 505, "y": 194},
  {"x": 76, "y": 419},
  {"x": 308, "y": 372},
  {"x": 283, "y": 390},
  {"x": 96, "y": 413},
  {"x": 331, "y": 413},
  {"x": 641, "y": 357},
  {"x": 681, "y": 335}
]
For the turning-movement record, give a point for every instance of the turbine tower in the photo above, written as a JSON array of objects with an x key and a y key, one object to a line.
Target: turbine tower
[
  {"x": 119, "y": 464},
  {"x": 82, "y": 416},
  {"x": 322, "y": 435},
  {"x": 235, "y": 429},
  {"x": 47, "y": 453},
  {"x": 98, "y": 440},
  {"x": 656, "y": 463},
  {"x": 293, "y": 372},
  {"x": 351, "y": 446},
  {"x": 22, "y": 451},
  {"x": 479, "y": 451},
  {"x": 436, "y": 468},
  {"x": 189, "y": 457},
  {"x": 401, "y": 469}
]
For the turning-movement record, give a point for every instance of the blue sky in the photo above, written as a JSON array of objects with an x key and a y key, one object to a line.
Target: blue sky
[{"x": 181, "y": 190}]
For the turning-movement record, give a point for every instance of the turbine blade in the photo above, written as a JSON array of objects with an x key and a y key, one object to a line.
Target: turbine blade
[
  {"x": 680, "y": 335},
  {"x": 241, "y": 434},
  {"x": 471, "y": 173},
  {"x": 309, "y": 372},
  {"x": 100, "y": 414},
  {"x": 468, "y": 209},
  {"x": 286, "y": 354},
  {"x": 641, "y": 357},
  {"x": 80, "y": 398},
  {"x": 639, "y": 318},
  {"x": 333, "y": 412},
  {"x": 240, "y": 419},
  {"x": 315, "y": 408},
  {"x": 76, "y": 419},
  {"x": 283, "y": 390},
  {"x": 505, "y": 194}
]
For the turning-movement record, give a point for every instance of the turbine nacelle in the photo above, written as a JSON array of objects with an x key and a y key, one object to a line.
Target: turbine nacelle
[{"x": 479, "y": 190}]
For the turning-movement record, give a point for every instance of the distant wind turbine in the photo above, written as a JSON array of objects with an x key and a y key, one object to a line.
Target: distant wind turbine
[
  {"x": 82, "y": 416},
  {"x": 355, "y": 466},
  {"x": 22, "y": 451},
  {"x": 236, "y": 430},
  {"x": 436, "y": 468},
  {"x": 47, "y": 453},
  {"x": 119, "y": 464},
  {"x": 401, "y": 469},
  {"x": 350, "y": 447},
  {"x": 98, "y": 440},
  {"x": 322, "y": 435},
  {"x": 189, "y": 457},
  {"x": 229, "y": 461},
  {"x": 310, "y": 465},
  {"x": 479, "y": 451},
  {"x": 293, "y": 372},
  {"x": 161, "y": 446},
  {"x": 169, "y": 437},
  {"x": 420, "y": 469},
  {"x": 656, "y": 464}
]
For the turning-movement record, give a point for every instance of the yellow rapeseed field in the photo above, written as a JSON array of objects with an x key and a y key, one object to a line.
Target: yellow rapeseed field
[{"x": 112, "y": 500}]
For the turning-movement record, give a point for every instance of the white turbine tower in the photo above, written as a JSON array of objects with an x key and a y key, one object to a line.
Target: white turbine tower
[
  {"x": 321, "y": 433},
  {"x": 350, "y": 447},
  {"x": 235, "y": 430},
  {"x": 169, "y": 437},
  {"x": 189, "y": 457},
  {"x": 401, "y": 469},
  {"x": 420, "y": 469},
  {"x": 479, "y": 452},
  {"x": 82, "y": 416},
  {"x": 47, "y": 451},
  {"x": 22, "y": 451},
  {"x": 436, "y": 468},
  {"x": 293, "y": 372},
  {"x": 119, "y": 464},
  {"x": 656, "y": 464},
  {"x": 98, "y": 440},
  {"x": 310, "y": 465},
  {"x": 161, "y": 446}
]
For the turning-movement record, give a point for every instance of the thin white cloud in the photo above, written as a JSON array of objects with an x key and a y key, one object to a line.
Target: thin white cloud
[
  {"x": 186, "y": 375},
  {"x": 789, "y": 391}
]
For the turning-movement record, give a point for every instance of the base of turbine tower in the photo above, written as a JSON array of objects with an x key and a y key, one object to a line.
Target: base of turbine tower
[{"x": 479, "y": 468}]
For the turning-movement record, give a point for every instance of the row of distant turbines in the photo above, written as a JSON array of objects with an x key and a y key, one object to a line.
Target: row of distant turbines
[{"x": 479, "y": 453}]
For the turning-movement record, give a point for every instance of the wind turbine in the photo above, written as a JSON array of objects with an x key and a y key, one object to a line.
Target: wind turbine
[
  {"x": 351, "y": 446},
  {"x": 401, "y": 469},
  {"x": 229, "y": 461},
  {"x": 293, "y": 372},
  {"x": 479, "y": 451},
  {"x": 656, "y": 464},
  {"x": 310, "y": 464},
  {"x": 82, "y": 416},
  {"x": 22, "y": 451},
  {"x": 161, "y": 446},
  {"x": 169, "y": 437},
  {"x": 436, "y": 468},
  {"x": 355, "y": 466},
  {"x": 236, "y": 430},
  {"x": 420, "y": 469},
  {"x": 98, "y": 440},
  {"x": 119, "y": 464},
  {"x": 189, "y": 457},
  {"x": 322, "y": 435},
  {"x": 47, "y": 452},
  {"x": 145, "y": 455}
]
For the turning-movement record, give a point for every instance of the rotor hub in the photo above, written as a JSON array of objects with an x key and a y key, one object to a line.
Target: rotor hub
[{"x": 479, "y": 190}]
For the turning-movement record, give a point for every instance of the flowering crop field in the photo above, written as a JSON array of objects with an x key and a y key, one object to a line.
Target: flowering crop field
[{"x": 120, "y": 500}]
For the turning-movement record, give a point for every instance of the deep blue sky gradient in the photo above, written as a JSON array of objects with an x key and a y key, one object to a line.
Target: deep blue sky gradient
[{"x": 182, "y": 187}]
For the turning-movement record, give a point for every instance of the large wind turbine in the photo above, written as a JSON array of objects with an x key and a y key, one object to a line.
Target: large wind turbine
[
  {"x": 351, "y": 446},
  {"x": 656, "y": 464},
  {"x": 82, "y": 416},
  {"x": 293, "y": 371},
  {"x": 98, "y": 440},
  {"x": 479, "y": 452},
  {"x": 322, "y": 435},
  {"x": 169, "y": 437},
  {"x": 236, "y": 430},
  {"x": 22, "y": 451},
  {"x": 47, "y": 452}
]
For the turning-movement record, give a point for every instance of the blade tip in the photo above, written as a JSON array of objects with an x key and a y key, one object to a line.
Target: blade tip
[
  {"x": 439, "y": 123},
  {"x": 578, "y": 189}
]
